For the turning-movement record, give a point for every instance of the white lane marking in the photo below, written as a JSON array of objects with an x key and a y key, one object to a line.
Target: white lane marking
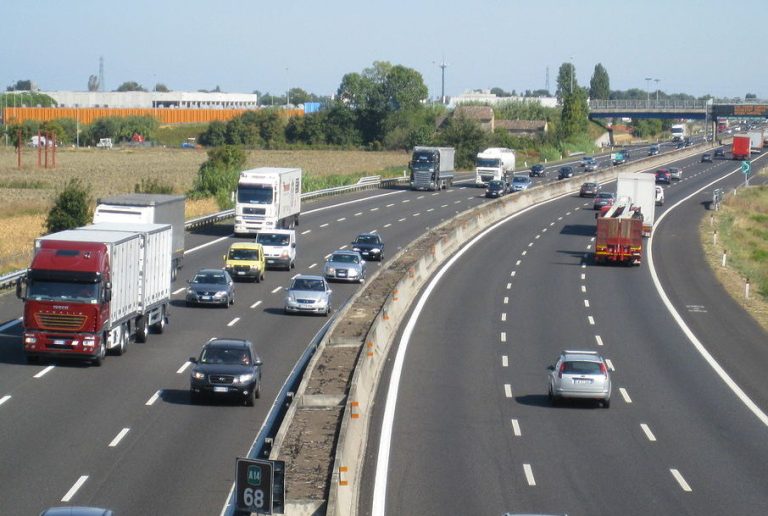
[
  {"x": 537, "y": 237},
  {"x": 507, "y": 390},
  {"x": 583, "y": 265},
  {"x": 470, "y": 198},
  {"x": 680, "y": 480},
  {"x": 434, "y": 194},
  {"x": 551, "y": 223},
  {"x": 583, "y": 276},
  {"x": 609, "y": 364},
  {"x": 406, "y": 200},
  {"x": 416, "y": 214},
  {"x": 504, "y": 361},
  {"x": 431, "y": 209},
  {"x": 516, "y": 428},
  {"x": 503, "y": 317},
  {"x": 586, "y": 303},
  {"x": 358, "y": 213},
  {"x": 503, "y": 336},
  {"x": 5, "y": 398},
  {"x": 12, "y": 323},
  {"x": 524, "y": 253},
  {"x": 559, "y": 218},
  {"x": 342, "y": 219},
  {"x": 647, "y": 432},
  {"x": 583, "y": 288},
  {"x": 312, "y": 266},
  {"x": 544, "y": 230},
  {"x": 443, "y": 205},
  {"x": 456, "y": 202},
  {"x": 389, "y": 205},
  {"x": 625, "y": 395},
  {"x": 44, "y": 371},
  {"x": 324, "y": 225},
  {"x": 119, "y": 437},
  {"x": 420, "y": 197},
  {"x": 233, "y": 322},
  {"x": 591, "y": 320},
  {"x": 517, "y": 263},
  {"x": 513, "y": 273},
  {"x": 343, "y": 247},
  {"x": 74, "y": 488},
  {"x": 589, "y": 246},
  {"x": 154, "y": 398},
  {"x": 183, "y": 367},
  {"x": 400, "y": 220},
  {"x": 306, "y": 231},
  {"x": 577, "y": 208},
  {"x": 506, "y": 300},
  {"x": 257, "y": 303},
  {"x": 179, "y": 290},
  {"x": 530, "y": 244},
  {"x": 276, "y": 289},
  {"x": 567, "y": 213},
  {"x": 529, "y": 474},
  {"x": 724, "y": 376},
  {"x": 592, "y": 239},
  {"x": 387, "y": 225},
  {"x": 509, "y": 286},
  {"x": 599, "y": 340}
]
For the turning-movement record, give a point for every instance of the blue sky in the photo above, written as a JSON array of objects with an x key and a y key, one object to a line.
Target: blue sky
[{"x": 695, "y": 47}]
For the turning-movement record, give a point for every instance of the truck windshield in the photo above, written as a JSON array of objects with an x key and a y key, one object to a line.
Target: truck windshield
[
  {"x": 423, "y": 166},
  {"x": 41, "y": 290},
  {"x": 274, "y": 239},
  {"x": 487, "y": 163},
  {"x": 254, "y": 194}
]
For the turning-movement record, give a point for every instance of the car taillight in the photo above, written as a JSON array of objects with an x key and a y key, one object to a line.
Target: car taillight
[
  {"x": 562, "y": 368},
  {"x": 604, "y": 370}
]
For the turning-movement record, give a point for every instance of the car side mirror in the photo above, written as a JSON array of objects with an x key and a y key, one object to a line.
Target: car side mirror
[
  {"x": 293, "y": 245},
  {"x": 20, "y": 288},
  {"x": 550, "y": 368},
  {"x": 329, "y": 291},
  {"x": 258, "y": 362},
  {"x": 108, "y": 291},
  {"x": 193, "y": 360}
]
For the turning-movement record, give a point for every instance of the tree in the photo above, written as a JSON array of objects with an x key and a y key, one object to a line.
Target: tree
[
  {"x": 161, "y": 87},
  {"x": 218, "y": 175},
  {"x": 600, "y": 84},
  {"x": 215, "y": 135},
  {"x": 71, "y": 208},
  {"x": 93, "y": 83},
  {"x": 466, "y": 136},
  {"x": 130, "y": 86},
  {"x": 566, "y": 81},
  {"x": 500, "y": 92},
  {"x": 298, "y": 96},
  {"x": 750, "y": 96},
  {"x": 574, "y": 117},
  {"x": 26, "y": 85}
]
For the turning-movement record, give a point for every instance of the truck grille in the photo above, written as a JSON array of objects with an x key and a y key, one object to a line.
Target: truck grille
[
  {"x": 253, "y": 211},
  {"x": 221, "y": 378},
  {"x": 242, "y": 267},
  {"x": 64, "y": 322}
]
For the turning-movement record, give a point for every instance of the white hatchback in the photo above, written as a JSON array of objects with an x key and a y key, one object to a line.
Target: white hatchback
[{"x": 659, "y": 195}]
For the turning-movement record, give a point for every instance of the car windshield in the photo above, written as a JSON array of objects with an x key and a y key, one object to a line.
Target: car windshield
[
  {"x": 308, "y": 284},
  {"x": 243, "y": 254},
  {"x": 581, "y": 367},
  {"x": 589, "y": 185},
  {"x": 605, "y": 195},
  {"x": 536, "y": 168},
  {"x": 520, "y": 179},
  {"x": 367, "y": 239},
  {"x": 344, "y": 258},
  {"x": 495, "y": 185},
  {"x": 225, "y": 356},
  {"x": 210, "y": 279},
  {"x": 275, "y": 239}
]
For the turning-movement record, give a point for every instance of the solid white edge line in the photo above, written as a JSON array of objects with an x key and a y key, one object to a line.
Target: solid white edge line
[
  {"x": 74, "y": 488},
  {"x": 516, "y": 428},
  {"x": 625, "y": 395},
  {"x": 680, "y": 480},
  {"x": 119, "y": 437},
  {"x": 724, "y": 376},
  {"x": 507, "y": 390},
  {"x": 44, "y": 371},
  {"x": 378, "y": 504},
  {"x": 182, "y": 368},
  {"x": 647, "y": 431},
  {"x": 153, "y": 399},
  {"x": 504, "y": 361},
  {"x": 257, "y": 303},
  {"x": 5, "y": 398},
  {"x": 529, "y": 474}
]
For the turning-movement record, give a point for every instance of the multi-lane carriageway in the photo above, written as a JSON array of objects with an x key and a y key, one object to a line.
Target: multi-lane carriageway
[
  {"x": 473, "y": 431},
  {"x": 124, "y": 435}
]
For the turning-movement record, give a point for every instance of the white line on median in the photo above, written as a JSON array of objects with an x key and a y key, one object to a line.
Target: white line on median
[
  {"x": 647, "y": 432},
  {"x": 625, "y": 395},
  {"x": 516, "y": 428},
  {"x": 119, "y": 437},
  {"x": 680, "y": 480},
  {"x": 504, "y": 361},
  {"x": 182, "y": 368},
  {"x": 529, "y": 474},
  {"x": 233, "y": 322},
  {"x": 73, "y": 490},
  {"x": 591, "y": 320},
  {"x": 599, "y": 340},
  {"x": 507, "y": 390},
  {"x": 257, "y": 303},
  {"x": 154, "y": 398},
  {"x": 503, "y": 336},
  {"x": 44, "y": 371}
]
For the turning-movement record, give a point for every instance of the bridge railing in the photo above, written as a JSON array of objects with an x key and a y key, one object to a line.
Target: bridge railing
[{"x": 647, "y": 104}]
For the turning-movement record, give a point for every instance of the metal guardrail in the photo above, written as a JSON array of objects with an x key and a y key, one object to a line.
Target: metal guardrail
[{"x": 364, "y": 183}]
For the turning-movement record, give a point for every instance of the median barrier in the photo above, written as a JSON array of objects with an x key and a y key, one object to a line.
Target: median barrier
[{"x": 383, "y": 310}]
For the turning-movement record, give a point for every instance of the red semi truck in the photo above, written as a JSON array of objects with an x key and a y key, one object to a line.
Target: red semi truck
[
  {"x": 94, "y": 288},
  {"x": 619, "y": 235},
  {"x": 740, "y": 148}
]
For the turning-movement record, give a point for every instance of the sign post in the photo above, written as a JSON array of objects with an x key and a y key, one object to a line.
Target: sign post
[
  {"x": 260, "y": 486},
  {"x": 746, "y": 168}
]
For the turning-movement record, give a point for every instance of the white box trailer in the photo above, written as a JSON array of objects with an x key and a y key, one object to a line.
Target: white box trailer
[
  {"x": 144, "y": 208},
  {"x": 641, "y": 190},
  {"x": 756, "y": 141},
  {"x": 267, "y": 198}
]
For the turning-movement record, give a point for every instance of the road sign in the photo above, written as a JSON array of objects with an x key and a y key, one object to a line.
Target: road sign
[
  {"x": 746, "y": 167},
  {"x": 260, "y": 486}
]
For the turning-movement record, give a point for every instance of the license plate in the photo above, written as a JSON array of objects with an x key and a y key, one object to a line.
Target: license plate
[
  {"x": 220, "y": 389},
  {"x": 241, "y": 273},
  {"x": 59, "y": 342},
  {"x": 581, "y": 380},
  {"x": 206, "y": 298},
  {"x": 270, "y": 261}
]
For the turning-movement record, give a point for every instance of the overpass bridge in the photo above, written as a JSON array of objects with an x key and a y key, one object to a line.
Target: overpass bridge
[{"x": 677, "y": 109}]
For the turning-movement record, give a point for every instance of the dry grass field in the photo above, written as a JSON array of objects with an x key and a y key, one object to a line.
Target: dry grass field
[{"x": 27, "y": 194}]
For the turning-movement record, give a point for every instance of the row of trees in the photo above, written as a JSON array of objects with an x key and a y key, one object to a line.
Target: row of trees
[{"x": 66, "y": 129}]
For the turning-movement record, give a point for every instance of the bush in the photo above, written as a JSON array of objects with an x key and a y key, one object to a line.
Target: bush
[
  {"x": 71, "y": 208},
  {"x": 217, "y": 177},
  {"x": 152, "y": 185}
]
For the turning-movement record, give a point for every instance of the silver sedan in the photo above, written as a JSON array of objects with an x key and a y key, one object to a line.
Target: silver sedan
[
  {"x": 308, "y": 294},
  {"x": 579, "y": 374},
  {"x": 345, "y": 266}
]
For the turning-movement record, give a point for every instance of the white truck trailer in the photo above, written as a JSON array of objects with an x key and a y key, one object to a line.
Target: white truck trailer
[
  {"x": 144, "y": 208},
  {"x": 641, "y": 189},
  {"x": 432, "y": 168},
  {"x": 267, "y": 198},
  {"x": 494, "y": 163},
  {"x": 756, "y": 141}
]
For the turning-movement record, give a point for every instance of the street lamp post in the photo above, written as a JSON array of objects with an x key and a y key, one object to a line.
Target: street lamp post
[
  {"x": 648, "y": 89},
  {"x": 657, "y": 90},
  {"x": 443, "y": 65}
]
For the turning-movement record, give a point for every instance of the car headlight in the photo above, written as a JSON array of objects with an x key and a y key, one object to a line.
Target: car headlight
[
  {"x": 356, "y": 249},
  {"x": 220, "y": 293},
  {"x": 352, "y": 272},
  {"x": 191, "y": 291},
  {"x": 375, "y": 250},
  {"x": 330, "y": 270},
  {"x": 197, "y": 375},
  {"x": 244, "y": 378}
]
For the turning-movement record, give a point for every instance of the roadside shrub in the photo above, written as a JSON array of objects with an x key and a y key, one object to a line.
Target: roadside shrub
[
  {"x": 152, "y": 185},
  {"x": 71, "y": 208}
]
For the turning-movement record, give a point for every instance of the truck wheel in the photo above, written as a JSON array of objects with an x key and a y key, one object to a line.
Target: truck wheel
[
  {"x": 102, "y": 353},
  {"x": 123, "y": 344},
  {"x": 174, "y": 272},
  {"x": 159, "y": 326},
  {"x": 142, "y": 329}
]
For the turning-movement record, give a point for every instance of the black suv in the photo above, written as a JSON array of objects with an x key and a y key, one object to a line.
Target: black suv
[
  {"x": 565, "y": 172},
  {"x": 226, "y": 367},
  {"x": 537, "y": 171}
]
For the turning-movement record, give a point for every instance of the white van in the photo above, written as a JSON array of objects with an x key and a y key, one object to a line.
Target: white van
[{"x": 279, "y": 247}]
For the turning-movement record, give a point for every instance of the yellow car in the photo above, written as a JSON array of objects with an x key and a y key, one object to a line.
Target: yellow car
[{"x": 245, "y": 260}]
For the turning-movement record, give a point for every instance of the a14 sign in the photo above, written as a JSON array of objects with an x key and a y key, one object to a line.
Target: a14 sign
[{"x": 260, "y": 486}]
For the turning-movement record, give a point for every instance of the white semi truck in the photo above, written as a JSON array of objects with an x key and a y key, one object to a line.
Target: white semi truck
[
  {"x": 267, "y": 198},
  {"x": 641, "y": 189},
  {"x": 493, "y": 163},
  {"x": 679, "y": 132}
]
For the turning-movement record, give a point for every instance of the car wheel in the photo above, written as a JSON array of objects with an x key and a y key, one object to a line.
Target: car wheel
[
  {"x": 257, "y": 390},
  {"x": 250, "y": 400},
  {"x": 607, "y": 403}
]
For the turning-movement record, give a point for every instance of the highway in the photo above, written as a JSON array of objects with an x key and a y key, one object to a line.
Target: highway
[
  {"x": 124, "y": 435},
  {"x": 473, "y": 431}
]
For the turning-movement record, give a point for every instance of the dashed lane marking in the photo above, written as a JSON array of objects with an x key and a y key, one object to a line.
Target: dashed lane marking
[
  {"x": 516, "y": 428},
  {"x": 254, "y": 305},
  {"x": 153, "y": 399},
  {"x": 680, "y": 480},
  {"x": 625, "y": 395},
  {"x": 507, "y": 390},
  {"x": 44, "y": 371},
  {"x": 599, "y": 340},
  {"x": 647, "y": 432},
  {"x": 119, "y": 437},
  {"x": 529, "y": 474},
  {"x": 74, "y": 488},
  {"x": 183, "y": 367}
]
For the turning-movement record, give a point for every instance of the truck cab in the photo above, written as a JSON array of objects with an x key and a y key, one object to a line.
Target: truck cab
[
  {"x": 245, "y": 260},
  {"x": 279, "y": 247}
]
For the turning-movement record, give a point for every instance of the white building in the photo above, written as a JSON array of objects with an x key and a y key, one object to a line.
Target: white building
[{"x": 155, "y": 99}]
